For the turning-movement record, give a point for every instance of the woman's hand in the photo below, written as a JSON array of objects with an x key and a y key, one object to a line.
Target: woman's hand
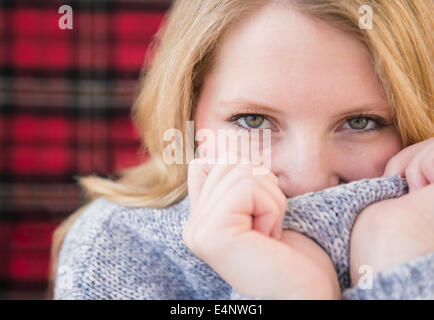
[
  {"x": 236, "y": 227},
  {"x": 394, "y": 231},
  {"x": 415, "y": 163}
]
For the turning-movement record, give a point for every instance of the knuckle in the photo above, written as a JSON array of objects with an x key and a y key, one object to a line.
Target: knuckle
[
  {"x": 411, "y": 170},
  {"x": 283, "y": 203},
  {"x": 243, "y": 169},
  {"x": 278, "y": 210},
  {"x": 246, "y": 183},
  {"x": 195, "y": 239},
  {"x": 392, "y": 165},
  {"x": 198, "y": 242},
  {"x": 427, "y": 164},
  {"x": 273, "y": 177}
]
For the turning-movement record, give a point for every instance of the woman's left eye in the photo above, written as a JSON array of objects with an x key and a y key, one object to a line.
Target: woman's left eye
[
  {"x": 362, "y": 124},
  {"x": 251, "y": 121}
]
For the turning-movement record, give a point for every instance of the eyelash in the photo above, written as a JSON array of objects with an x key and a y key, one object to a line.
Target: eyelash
[
  {"x": 237, "y": 116},
  {"x": 380, "y": 122}
]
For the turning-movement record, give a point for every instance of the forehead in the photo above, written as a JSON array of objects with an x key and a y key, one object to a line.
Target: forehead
[{"x": 279, "y": 54}]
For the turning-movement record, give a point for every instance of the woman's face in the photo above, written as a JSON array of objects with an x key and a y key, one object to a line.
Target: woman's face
[{"x": 314, "y": 87}]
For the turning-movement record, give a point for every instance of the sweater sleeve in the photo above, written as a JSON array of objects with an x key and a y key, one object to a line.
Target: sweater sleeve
[
  {"x": 102, "y": 258},
  {"x": 236, "y": 295},
  {"x": 412, "y": 280},
  {"x": 77, "y": 249},
  {"x": 327, "y": 216}
]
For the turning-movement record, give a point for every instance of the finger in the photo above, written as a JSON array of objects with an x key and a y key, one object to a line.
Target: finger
[
  {"x": 240, "y": 171},
  {"x": 239, "y": 208},
  {"x": 266, "y": 218},
  {"x": 225, "y": 186},
  {"x": 399, "y": 162},
  {"x": 272, "y": 188},
  {"x": 415, "y": 173},
  {"x": 222, "y": 178},
  {"x": 269, "y": 183},
  {"x": 197, "y": 174},
  {"x": 427, "y": 166},
  {"x": 251, "y": 200},
  {"x": 216, "y": 174},
  {"x": 270, "y": 191}
]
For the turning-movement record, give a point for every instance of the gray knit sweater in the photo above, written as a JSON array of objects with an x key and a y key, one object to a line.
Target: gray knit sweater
[{"x": 119, "y": 252}]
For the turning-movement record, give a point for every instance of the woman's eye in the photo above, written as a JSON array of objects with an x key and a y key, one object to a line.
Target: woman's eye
[
  {"x": 252, "y": 121},
  {"x": 361, "y": 123}
]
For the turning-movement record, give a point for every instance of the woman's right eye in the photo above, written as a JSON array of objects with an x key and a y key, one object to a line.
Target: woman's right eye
[{"x": 251, "y": 121}]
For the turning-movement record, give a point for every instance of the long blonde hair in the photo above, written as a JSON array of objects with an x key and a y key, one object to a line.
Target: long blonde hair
[{"x": 401, "y": 47}]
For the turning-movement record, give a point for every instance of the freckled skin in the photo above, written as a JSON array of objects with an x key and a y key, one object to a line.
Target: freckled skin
[{"x": 311, "y": 74}]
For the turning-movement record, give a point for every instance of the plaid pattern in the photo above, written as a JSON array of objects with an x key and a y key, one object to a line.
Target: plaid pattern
[{"x": 65, "y": 98}]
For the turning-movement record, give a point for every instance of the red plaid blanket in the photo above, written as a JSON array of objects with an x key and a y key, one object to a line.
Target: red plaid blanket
[{"x": 65, "y": 98}]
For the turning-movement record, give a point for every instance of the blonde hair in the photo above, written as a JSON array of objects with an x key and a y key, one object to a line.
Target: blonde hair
[{"x": 183, "y": 51}]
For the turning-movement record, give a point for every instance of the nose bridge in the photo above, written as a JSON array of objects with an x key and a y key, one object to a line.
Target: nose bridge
[
  {"x": 307, "y": 164},
  {"x": 308, "y": 151}
]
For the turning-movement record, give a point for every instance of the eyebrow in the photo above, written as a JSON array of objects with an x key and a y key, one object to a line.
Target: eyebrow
[{"x": 247, "y": 104}]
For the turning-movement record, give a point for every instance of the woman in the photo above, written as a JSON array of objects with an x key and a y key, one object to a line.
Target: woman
[{"x": 341, "y": 104}]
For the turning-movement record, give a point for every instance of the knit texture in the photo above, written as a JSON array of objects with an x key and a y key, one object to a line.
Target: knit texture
[
  {"x": 412, "y": 280},
  {"x": 119, "y": 252},
  {"x": 329, "y": 221}
]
